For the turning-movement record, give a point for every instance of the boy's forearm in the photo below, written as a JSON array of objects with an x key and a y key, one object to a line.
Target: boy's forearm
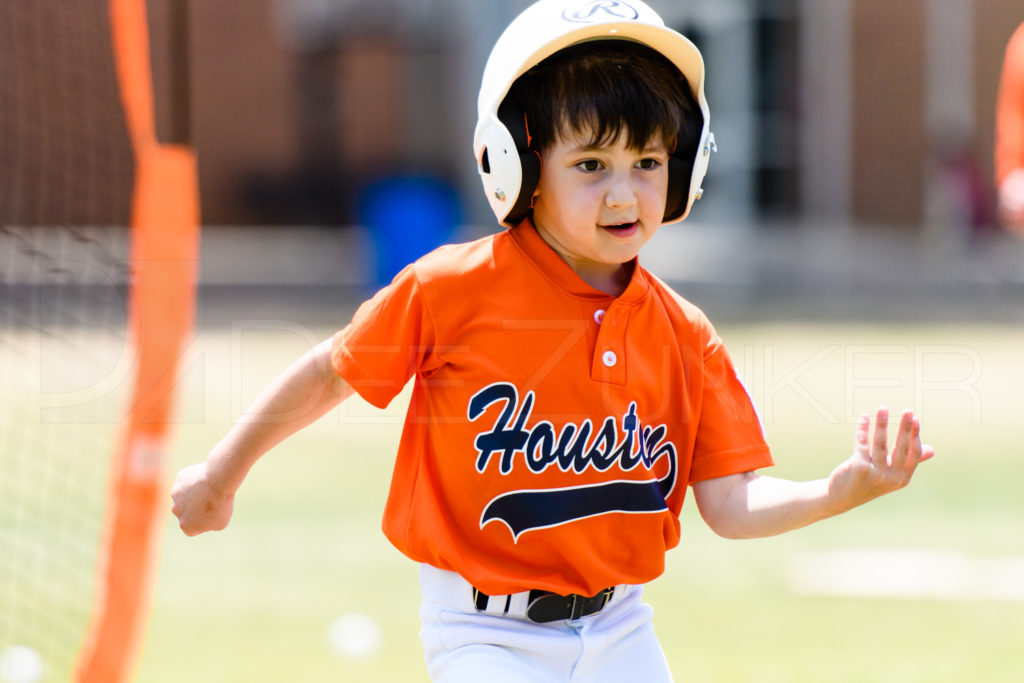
[
  {"x": 757, "y": 506},
  {"x": 776, "y": 506},
  {"x": 299, "y": 396},
  {"x": 749, "y": 506}
]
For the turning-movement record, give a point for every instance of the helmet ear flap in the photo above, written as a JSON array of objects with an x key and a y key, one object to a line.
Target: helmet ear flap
[
  {"x": 681, "y": 165},
  {"x": 679, "y": 172},
  {"x": 513, "y": 116}
]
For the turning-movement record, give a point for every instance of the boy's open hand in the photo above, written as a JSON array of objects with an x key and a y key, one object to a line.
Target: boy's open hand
[
  {"x": 873, "y": 470},
  {"x": 198, "y": 504}
]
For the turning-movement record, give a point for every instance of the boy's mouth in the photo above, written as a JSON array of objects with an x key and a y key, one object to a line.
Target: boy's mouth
[{"x": 622, "y": 229}]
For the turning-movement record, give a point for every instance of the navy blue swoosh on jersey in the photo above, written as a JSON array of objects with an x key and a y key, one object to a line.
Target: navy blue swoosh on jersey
[{"x": 522, "y": 511}]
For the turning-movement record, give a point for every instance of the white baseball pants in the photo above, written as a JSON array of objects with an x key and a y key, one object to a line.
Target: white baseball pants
[{"x": 463, "y": 645}]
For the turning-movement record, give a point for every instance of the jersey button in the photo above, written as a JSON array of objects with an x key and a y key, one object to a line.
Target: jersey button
[
  {"x": 599, "y": 316},
  {"x": 609, "y": 358}
]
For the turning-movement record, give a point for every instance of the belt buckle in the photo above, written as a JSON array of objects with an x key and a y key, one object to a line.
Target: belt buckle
[
  {"x": 576, "y": 606},
  {"x": 545, "y": 607}
]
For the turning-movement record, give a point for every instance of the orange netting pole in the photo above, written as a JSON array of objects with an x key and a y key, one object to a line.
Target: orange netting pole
[{"x": 164, "y": 253}]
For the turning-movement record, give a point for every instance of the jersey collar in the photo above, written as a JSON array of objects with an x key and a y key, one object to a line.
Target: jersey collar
[{"x": 559, "y": 272}]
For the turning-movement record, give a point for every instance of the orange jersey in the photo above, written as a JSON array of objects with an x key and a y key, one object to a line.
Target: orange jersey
[
  {"x": 1009, "y": 151},
  {"x": 552, "y": 429}
]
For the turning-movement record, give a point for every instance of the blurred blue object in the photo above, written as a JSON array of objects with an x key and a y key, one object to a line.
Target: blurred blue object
[{"x": 407, "y": 216}]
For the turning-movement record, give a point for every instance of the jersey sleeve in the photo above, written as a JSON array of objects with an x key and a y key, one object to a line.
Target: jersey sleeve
[
  {"x": 389, "y": 339},
  {"x": 730, "y": 438}
]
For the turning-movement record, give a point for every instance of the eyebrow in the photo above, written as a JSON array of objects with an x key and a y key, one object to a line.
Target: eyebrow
[{"x": 594, "y": 147}]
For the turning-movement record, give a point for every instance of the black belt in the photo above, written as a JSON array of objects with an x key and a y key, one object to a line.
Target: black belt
[{"x": 545, "y": 606}]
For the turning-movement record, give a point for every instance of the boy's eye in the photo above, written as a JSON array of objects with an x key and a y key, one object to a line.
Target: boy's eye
[
  {"x": 648, "y": 164},
  {"x": 589, "y": 165}
]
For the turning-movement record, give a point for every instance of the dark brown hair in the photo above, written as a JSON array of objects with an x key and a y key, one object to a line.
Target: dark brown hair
[{"x": 606, "y": 88}]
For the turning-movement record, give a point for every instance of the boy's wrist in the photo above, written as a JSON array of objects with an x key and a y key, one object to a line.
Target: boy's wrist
[
  {"x": 222, "y": 474},
  {"x": 844, "y": 493},
  {"x": 837, "y": 494}
]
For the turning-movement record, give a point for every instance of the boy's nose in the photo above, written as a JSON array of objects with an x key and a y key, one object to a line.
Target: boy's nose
[{"x": 620, "y": 192}]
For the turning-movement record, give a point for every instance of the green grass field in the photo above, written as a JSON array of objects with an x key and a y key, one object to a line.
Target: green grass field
[{"x": 254, "y": 603}]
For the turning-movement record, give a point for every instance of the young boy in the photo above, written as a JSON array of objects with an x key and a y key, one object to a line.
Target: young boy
[{"x": 564, "y": 398}]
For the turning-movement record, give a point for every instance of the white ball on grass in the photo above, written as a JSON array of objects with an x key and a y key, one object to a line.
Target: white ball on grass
[
  {"x": 20, "y": 664},
  {"x": 354, "y": 635}
]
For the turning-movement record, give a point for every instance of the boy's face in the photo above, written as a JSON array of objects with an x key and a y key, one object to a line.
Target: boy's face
[{"x": 597, "y": 205}]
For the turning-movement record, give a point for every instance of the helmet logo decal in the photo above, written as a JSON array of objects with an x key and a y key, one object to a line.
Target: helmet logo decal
[{"x": 586, "y": 12}]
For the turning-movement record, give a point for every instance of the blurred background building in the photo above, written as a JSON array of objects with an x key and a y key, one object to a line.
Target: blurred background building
[
  {"x": 852, "y": 109},
  {"x": 848, "y": 114}
]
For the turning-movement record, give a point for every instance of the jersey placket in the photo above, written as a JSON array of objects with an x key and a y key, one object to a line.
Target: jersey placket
[{"x": 609, "y": 361}]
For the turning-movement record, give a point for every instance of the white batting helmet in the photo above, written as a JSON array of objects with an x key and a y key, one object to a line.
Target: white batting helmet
[{"x": 509, "y": 172}]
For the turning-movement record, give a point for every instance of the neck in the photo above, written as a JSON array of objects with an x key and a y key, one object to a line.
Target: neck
[
  {"x": 610, "y": 278},
  {"x": 610, "y": 281}
]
